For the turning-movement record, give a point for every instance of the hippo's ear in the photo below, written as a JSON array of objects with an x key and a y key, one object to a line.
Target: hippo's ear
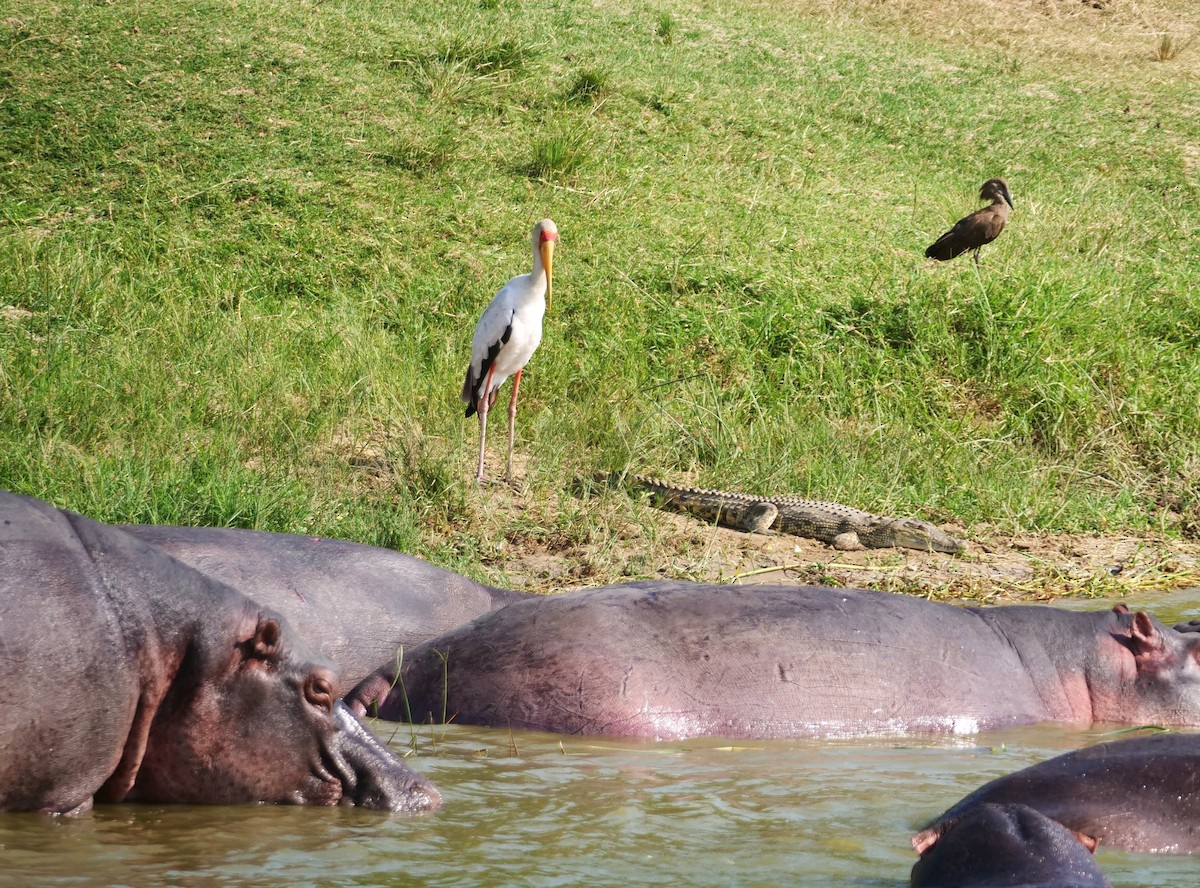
[
  {"x": 265, "y": 646},
  {"x": 1089, "y": 842},
  {"x": 1146, "y": 640},
  {"x": 924, "y": 841}
]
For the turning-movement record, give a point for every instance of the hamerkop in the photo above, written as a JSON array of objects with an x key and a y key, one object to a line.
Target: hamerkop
[{"x": 980, "y": 227}]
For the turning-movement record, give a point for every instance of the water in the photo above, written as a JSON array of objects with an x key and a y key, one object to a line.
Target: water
[
  {"x": 545, "y": 811},
  {"x": 521, "y": 809},
  {"x": 1176, "y": 606}
]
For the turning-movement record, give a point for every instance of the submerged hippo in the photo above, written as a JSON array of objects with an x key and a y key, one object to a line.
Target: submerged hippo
[
  {"x": 354, "y": 604},
  {"x": 1006, "y": 846},
  {"x": 676, "y": 660},
  {"x": 129, "y": 676},
  {"x": 1141, "y": 794}
]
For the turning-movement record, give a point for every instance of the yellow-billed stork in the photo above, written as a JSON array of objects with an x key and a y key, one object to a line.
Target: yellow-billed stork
[{"x": 506, "y": 337}]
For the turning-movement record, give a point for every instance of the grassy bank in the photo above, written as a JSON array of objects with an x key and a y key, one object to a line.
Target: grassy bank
[{"x": 242, "y": 247}]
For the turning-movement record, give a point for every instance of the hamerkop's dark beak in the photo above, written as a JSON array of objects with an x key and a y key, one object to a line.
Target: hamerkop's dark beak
[{"x": 979, "y": 228}]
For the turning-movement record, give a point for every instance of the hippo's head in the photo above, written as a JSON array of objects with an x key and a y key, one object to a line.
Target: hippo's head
[
  {"x": 999, "y": 845},
  {"x": 1159, "y": 674},
  {"x": 251, "y": 717}
]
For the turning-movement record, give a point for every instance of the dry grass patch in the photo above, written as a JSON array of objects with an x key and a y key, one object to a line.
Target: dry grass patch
[
  {"x": 1170, "y": 46},
  {"x": 1114, "y": 39}
]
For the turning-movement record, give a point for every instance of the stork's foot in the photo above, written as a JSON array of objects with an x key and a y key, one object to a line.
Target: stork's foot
[{"x": 511, "y": 483}]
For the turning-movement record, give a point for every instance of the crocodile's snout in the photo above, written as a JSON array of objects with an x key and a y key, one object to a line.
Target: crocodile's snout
[{"x": 919, "y": 535}]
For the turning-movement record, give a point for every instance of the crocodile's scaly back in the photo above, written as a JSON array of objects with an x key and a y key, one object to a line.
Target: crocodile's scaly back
[{"x": 840, "y": 526}]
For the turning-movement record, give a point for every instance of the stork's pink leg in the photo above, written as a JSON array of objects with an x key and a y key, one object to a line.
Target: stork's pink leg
[
  {"x": 484, "y": 404},
  {"x": 512, "y": 423}
]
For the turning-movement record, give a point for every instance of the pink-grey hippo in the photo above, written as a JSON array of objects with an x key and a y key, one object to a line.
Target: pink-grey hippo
[
  {"x": 674, "y": 660},
  {"x": 128, "y": 676},
  {"x": 1138, "y": 794},
  {"x": 1006, "y": 846},
  {"x": 353, "y": 604}
]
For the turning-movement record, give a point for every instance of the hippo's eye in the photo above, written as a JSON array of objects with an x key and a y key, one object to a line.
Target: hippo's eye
[{"x": 319, "y": 691}]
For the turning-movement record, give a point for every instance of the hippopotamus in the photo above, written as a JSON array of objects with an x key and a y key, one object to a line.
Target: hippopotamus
[
  {"x": 356, "y": 605},
  {"x": 1139, "y": 794},
  {"x": 128, "y": 676},
  {"x": 1006, "y": 846},
  {"x": 673, "y": 660}
]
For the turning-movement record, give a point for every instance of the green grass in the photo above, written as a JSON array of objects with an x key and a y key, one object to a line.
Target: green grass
[{"x": 242, "y": 249}]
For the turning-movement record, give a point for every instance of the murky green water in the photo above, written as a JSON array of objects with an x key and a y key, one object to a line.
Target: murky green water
[
  {"x": 590, "y": 812},
  {"x": 540, "y": 810}
]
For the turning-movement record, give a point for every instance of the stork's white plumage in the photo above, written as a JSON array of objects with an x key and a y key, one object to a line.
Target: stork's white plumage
[{"x": 506, "y": 337}]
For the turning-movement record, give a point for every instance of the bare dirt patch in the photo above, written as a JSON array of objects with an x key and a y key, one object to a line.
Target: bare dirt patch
[
  {"x": 996, "y": 566},
  {"x": 537, "y": 540}
]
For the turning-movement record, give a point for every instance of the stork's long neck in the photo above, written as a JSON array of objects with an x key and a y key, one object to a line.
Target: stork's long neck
[{"x": 538, "y": 275}]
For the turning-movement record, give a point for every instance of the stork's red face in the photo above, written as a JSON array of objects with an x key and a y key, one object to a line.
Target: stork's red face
[{"x": 549, "y": 236}]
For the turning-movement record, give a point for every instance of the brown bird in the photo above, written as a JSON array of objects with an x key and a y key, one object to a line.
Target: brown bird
[{"x": 980, "y": 227}]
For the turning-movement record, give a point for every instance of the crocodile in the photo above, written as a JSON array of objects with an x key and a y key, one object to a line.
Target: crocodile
[{"x": 840, "y": 526}]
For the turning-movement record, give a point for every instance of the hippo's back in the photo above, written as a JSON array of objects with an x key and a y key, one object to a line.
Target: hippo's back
[
  {"x": 1138, "y": 794},
  {"x": 674, "y": 659},
  {"x": 65, "y": 652},
  {"x": 355, "y": 604}
]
